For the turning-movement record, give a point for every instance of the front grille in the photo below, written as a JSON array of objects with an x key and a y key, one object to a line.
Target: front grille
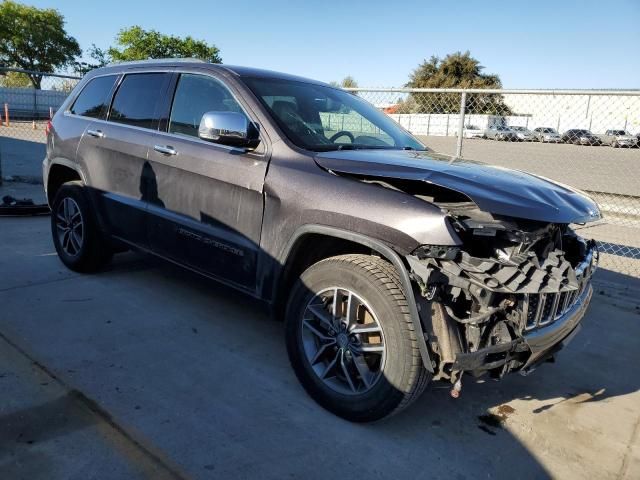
[
  {"x": 544, "y": 308},
  {"x": 541, "y": 309}
]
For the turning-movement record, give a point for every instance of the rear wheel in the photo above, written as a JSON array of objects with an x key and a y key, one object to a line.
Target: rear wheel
[
  {"x": 350, "y": 338},
  {"x": 76, "y": 237}
]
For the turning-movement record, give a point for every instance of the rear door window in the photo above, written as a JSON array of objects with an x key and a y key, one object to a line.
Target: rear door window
[
  {"x": 137, "y": 99},
  {"x": 94, "y": 98},
  {"x": 196, "y": 95}
]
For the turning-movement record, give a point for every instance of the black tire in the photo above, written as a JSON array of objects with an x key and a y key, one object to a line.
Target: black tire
[
  {"x": 94, "y": 251},
  {"x": 403, "y": 377}
]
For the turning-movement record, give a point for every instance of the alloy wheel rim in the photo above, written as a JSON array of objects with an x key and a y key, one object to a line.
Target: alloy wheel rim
[
  {"x": 343, "y": 341},
  {"x": 70, "y": 226}
]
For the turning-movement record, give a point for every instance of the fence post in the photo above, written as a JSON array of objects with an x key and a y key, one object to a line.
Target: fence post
[
  {"x": 463, "y": 104},
  {"x": 6, "y": 114}
]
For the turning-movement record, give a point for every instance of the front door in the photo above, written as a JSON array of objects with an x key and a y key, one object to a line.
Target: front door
[{"x": 208, "y": 205}]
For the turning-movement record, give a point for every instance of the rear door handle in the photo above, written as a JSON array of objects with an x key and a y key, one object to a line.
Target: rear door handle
[
  {"x": 95, "y": 133},
  {"x": 165, "y": 149}
]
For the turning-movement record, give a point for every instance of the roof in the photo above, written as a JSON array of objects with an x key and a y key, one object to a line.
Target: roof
[{"x": 194, "y": 62}]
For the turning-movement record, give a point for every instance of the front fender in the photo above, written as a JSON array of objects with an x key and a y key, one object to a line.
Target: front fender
[{"x": 386, "y": 252}]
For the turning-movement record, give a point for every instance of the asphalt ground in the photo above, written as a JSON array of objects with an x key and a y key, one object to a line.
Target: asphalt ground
[
  {"x": 593, "y": 168},
  {"x": 151, "y": 371}
]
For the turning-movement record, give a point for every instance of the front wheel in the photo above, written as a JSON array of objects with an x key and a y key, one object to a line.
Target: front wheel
[
  {"x": 350, "y": 338},
  {"x": 78, "y": 241}
]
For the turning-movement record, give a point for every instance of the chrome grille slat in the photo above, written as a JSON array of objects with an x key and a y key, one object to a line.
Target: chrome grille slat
[
  {"x": 562, "y": 304},
  {"x": 547, "y": 313}
]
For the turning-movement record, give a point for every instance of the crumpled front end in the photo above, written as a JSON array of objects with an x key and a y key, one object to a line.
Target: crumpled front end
[{"x": 507, "y": 299}]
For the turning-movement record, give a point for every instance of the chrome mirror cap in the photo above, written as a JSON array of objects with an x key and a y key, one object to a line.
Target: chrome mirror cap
[{"x": 230, "y": 128}]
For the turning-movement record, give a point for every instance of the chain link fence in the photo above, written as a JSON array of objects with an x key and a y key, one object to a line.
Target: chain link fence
[
  {"x": 585, "y": 138},
  {"x": 24, "y": 112}
]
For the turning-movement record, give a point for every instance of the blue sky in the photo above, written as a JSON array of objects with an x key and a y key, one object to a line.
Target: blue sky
[{"x": 532, "y": 44}]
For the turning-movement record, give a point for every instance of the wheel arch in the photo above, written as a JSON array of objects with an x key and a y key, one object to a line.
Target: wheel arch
[
  {"x": 333, "y": 241},
  {"x": 61, "y": 172}
]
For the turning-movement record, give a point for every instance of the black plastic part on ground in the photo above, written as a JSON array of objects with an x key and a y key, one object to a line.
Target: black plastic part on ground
[{"x": 13, "y": 207}]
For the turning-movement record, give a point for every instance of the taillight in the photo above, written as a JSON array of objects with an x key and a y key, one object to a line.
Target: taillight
[{"x": 47, "y": 129}]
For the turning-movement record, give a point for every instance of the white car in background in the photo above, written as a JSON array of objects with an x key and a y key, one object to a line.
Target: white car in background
[
  {"x": 618, "y": 138},
  {"x": 472, "y": 131},
  {"x": 524, "y": 134}
]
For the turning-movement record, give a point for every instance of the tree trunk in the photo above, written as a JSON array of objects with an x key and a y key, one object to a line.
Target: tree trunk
[{"x": 36, "y": 80}]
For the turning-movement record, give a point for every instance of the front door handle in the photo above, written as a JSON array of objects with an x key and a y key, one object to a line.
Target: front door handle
[
  {"x": 165, "y": 149},
  {"x": 95, "y": 133}
]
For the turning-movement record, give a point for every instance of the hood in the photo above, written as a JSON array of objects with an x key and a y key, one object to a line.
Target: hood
[{"x": 497, "y": 190}]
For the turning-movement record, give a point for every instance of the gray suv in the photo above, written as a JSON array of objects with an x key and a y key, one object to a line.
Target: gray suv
[{"x": 391, "y": 265}]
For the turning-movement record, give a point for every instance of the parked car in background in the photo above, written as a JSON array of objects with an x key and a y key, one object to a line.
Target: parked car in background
[
  {"x": 619, "y": 138},
  {"x": 580, "y": 137},
  {"x": 547, "y": 134},
  {"x": 524, "y": 134},
  {"x": 472, "y": 131},
  {"x": 500, "y": 132}
]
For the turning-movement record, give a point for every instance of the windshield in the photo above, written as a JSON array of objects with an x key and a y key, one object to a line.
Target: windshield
[
  {"x": 320, "y": 118},
  {"x": 619, "y": 132}
]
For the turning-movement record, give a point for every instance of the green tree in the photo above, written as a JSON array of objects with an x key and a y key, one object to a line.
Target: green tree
[
  {"x": 34, "y": 39},
  {"x": 100, "y": 59},
  {"x": 456, "y": 70},
  {"x": 347, "y": 82},
  {"x": 15, "y": 80},
  {"x": 135, "y": 43}
]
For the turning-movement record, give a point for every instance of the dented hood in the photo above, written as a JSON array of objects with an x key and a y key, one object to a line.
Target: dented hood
[{"x": 497, "y": 190}]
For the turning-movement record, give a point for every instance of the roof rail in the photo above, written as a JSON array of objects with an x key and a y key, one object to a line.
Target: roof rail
[{"x": 157, "y": 60}]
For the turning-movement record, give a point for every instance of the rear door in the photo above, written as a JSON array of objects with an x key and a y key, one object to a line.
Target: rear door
[
  {"x": 115, "y": 153},
  {"x": 208, "y": 213},
  {"x": 90, "y": 104}
]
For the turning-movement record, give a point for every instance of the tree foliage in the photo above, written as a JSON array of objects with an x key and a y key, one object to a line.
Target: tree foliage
[
  {"x": 34, "y": 39},
  {"x": 15, "y": 80},
  {"x": 456, "y": 70},
  {"x": 135, "y": 43},
  {"x": 100, "y": 59},
  {"x": 347, "y": 82}
]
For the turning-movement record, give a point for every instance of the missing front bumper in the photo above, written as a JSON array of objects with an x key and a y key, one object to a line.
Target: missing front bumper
[{"x": 532, "y": 349}]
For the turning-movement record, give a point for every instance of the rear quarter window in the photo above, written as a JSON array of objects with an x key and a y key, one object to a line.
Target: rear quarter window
[
  {"x": 93, "y": 100},
  {"x": 137, "y": 99}
]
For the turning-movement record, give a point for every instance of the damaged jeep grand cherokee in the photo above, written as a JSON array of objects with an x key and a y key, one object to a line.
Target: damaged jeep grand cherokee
[{"x": 392, "y": 266}]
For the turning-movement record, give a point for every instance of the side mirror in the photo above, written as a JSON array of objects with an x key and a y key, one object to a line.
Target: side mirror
[{"x": 228, "y": 128}]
